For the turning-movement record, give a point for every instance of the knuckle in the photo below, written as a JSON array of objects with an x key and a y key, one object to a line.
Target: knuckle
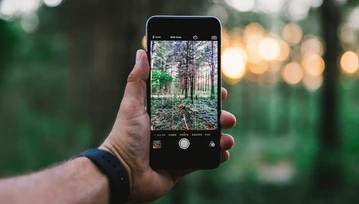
[{"x": 132, "y": 78}]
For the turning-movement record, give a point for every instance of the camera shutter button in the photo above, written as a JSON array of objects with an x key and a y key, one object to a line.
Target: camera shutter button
[{"x": 184, "y": 143}]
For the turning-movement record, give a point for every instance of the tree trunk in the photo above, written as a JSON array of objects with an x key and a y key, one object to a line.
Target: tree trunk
[
  {"x": 212, "y": 71},
  {"x": 186, "y": 73},
  {"x": 185, "y": 86},
  {"x": 182, "y": 85},
  {"x": 191, "y": 88},
  {"x": 192, "y": 71},
  {"x": 327, "y": 175},
  {"x": 197, "y": 84},
  {"x": 153, "y": 48}
]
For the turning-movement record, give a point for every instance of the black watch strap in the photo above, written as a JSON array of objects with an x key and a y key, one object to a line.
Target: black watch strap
[{"x": 114, "y": 170}]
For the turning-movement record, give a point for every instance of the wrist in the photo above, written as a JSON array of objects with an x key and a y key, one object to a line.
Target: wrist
[
  {"x": 114, "y": 169},
  {"x": 101, "y": 181},
  {"x": 113, "y": 151}
]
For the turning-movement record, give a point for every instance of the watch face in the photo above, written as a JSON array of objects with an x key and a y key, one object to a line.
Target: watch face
[{"x": 184, "y": 91}]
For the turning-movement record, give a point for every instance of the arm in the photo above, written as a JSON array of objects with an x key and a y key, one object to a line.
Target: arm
[
  {"x": 75, "y": 181},
  {"x": 79, "y": 180}
]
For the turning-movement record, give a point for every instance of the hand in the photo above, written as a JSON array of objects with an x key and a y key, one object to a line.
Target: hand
[{"x": 129, "y": 139}]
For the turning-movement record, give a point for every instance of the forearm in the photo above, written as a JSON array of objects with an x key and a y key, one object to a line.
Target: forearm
[{"x": 76, "y": 181}]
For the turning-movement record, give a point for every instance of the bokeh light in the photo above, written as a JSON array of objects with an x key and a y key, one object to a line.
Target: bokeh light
[
  {"x": 7, "y": 9},
  {"x": 312, "y": 83},
  {"x": 349, "y": 62},
  {"x": 292, "y": 33},
  {"x": 272, "y": 6},
  {"x": 292, "y": 73},
  {"x": 269, "y": 49},
  {"x": 10, "y": 8},
  {"x": 280, "y": 173},
  {"x": 226, "y": 38},
  {"x": 314, "y": 3},
  {"x": 28, "y": 6},
  {"x": 242, "y": 5},
  {"x": 234, "y": 64},
  {"x": 236, "y": 41},
  {"x": 274, "y": 66},
  {"x": 297, "y": 10},
  {"x": 313, "y": 64},
  {"x": 312, "y": 45},
  {"x": 219, "y": 12},
  {"x": 258, "y": 68},
  {"x": 29, "y": 22},
  {"x": 252, "y": 49},
  {"x": 353, "y": 18},
  {"x": 284, "y": 51},
  {"x": 348, "y": 36},
  {"x": 52, "y": 3},
  {"x": 252, "y": 30}
]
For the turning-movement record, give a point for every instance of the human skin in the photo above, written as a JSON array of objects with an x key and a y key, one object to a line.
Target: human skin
[{"x": 80, "y": 181}]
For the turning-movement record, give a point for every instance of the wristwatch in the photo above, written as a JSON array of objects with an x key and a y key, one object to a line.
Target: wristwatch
[{"x": 114, "y": 170}]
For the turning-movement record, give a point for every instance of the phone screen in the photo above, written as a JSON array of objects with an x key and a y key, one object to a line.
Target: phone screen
[{"x": 184, "y": 92}]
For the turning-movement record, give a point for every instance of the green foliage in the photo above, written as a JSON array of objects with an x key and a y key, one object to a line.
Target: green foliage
[
  {"x": 161, "y": 80},
  {"x": 277, "y": 126},
  {"x": 181, "y": 114}
]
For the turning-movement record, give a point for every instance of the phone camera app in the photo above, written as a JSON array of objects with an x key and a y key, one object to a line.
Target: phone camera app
[{"x": 195, "y": 37}]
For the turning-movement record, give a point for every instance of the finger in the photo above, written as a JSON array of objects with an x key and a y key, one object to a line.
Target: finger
[
  {"x": 227, "y": 142},
  {"x": 228, "y": 120},
  {"x": 224, "y": 93},
  {"x": 135, "y": 91},
  {"x": 225, "y": 156}
]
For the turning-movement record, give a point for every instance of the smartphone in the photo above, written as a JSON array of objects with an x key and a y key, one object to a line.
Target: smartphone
[{"x": 184, "y": 91}]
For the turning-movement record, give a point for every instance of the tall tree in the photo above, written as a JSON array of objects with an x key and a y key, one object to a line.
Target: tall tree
[
  {"x": 193, "y": 70},
  {"x": 327, "y": 175},
  {"x": 186, "y": 72},
  {"x": 153, "y": 48},
  {"x": 212, "y": 70}
]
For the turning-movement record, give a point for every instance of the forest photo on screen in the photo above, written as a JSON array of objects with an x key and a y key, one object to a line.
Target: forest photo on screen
[{"x": 184, "y": 85}]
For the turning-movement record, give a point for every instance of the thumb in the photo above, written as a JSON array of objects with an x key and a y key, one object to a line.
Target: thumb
[{"x": 135, "y": 91}]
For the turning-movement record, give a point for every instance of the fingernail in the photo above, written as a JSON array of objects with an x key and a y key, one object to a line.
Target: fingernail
[{"x": 138, "y": 56}]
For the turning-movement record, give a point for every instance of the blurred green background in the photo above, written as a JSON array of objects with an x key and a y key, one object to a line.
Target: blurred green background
[{"x": 291, "y": 68}]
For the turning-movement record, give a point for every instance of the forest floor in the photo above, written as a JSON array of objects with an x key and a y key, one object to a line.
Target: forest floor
[{"x": 181, "y": 114}]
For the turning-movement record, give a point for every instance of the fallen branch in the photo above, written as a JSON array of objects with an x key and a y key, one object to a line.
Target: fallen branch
[{"x": 184, "y": 117}]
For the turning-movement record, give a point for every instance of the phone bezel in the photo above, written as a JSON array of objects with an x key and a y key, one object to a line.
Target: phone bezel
[{"x": 204, "y": 26}]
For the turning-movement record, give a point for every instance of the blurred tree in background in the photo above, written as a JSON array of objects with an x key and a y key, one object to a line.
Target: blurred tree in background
[{"x": 291, "y": 68}]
